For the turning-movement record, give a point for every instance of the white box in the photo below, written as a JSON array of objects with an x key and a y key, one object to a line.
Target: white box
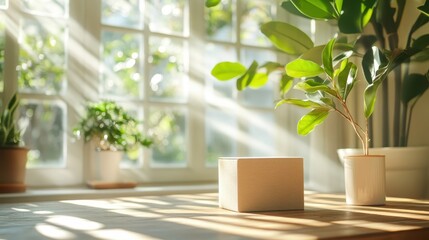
[{"x": 261, "y": 184}]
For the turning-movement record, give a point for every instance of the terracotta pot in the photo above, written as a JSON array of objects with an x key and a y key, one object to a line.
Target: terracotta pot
[
  {"x": 13, "y": 162},
  {"x": 406, "y": 169},
  {"x": 365, "y": 179}
]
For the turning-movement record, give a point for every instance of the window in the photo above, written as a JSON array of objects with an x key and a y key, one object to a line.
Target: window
[{"x": 154, "y": 58}]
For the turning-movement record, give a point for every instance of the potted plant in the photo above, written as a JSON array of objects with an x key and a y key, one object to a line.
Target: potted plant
[
  {"x": 112, "y": 131},
  {"x": 328, "y": 75},
  {"x": 13, "y": 157}
]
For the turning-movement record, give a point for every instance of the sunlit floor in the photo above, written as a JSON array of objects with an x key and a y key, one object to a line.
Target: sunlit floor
[{"x": 197, "y": 216}]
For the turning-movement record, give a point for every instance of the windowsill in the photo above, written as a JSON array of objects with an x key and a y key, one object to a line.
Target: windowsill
[{"x": 56, "y": 194}]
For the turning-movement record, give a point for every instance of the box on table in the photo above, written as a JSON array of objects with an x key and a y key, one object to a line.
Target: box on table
[{"x": 261, "y": 184}]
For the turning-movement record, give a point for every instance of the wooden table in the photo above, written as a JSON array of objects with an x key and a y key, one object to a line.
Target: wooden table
[{"x": 197, "y": 217}]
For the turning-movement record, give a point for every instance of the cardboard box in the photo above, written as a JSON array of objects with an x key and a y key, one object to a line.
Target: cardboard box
[{"x": 261, "y": 184}]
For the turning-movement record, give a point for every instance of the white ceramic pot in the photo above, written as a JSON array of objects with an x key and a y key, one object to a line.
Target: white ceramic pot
[
  {"x": 365, "y": 179},
  {"x": 105, "y": 167},
  {"x": 406, "y": 169}
]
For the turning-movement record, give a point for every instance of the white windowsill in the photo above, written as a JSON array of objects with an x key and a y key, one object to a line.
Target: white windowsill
[{"x": 56, "y": 194}]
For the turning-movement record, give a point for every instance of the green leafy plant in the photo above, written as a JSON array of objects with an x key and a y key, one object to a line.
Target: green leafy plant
[
  {"x": 10, "y": 135},
  {"x": 328, "y": 73},
  {"x": 111, "y": 127}
]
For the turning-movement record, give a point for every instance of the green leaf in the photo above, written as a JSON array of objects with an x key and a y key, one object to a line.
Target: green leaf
[
  {"x": 259, "y": 80},
  {"x": 288, "y": 6},
  {"x": 421, "y": 42},
  {"x": 328, "y": 101},
  {"x": 212, "y": 3},
  {"x": 424, "y": 9},
  {"x": 421, "y": 56},
  {"x": 247, "y": 77},
  {"x": 373, "y": 60},
  {"x": 299, "y": 102},
  {"x": 327, "y": 58},
  {"x": 347, "y": 79},
  {"x": 370, "y": 95},
  {"x": 340, "y": 57},
  {"x": 314, "y": 54},
  {"x": 228, "y": 70},
  {"x": 414, "y": 85},
  {"x": 286, "y": 83},
  {"x": 320, "y": 9},
  {"x": 309, "y": 121},
  {"x": 286, "y": 37},
  {"x": 354, "y": 17},
  {"x": 311, "y": 86},
  {"x": 303, "y": 68},
  {"x": 271, "y": 66}
]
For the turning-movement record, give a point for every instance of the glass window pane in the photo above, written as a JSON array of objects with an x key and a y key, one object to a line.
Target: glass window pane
[
  {"x": 261, "y": 134},
  {"x": 220, "y": 133},
  {"x": 219, "y": 21},
  {"x": 255, "y": 14},
  {"x": 168, "y": 69},
  {"x": 42, "y": 57},
  {"x": 4, "y": 4},
  {"x": 2, "y": 49},
  {"x": 169, "y": 131},
  {"x": 168, "y": 16},
  {"x": 122, "y": 13},
  {"x": 132, "y": 158},
  {"x": 57, "y": 8},
  {"x": 264, "y": 96},
  {"x": 120, "y": 70},
  {"x": 44, "y": 132},
  {"x": 214, "y": 87}
]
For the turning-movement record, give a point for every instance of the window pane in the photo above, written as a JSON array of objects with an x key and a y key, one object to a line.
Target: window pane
[
  {"x": 120, "y": 71},
  {"x": 4, "y": 4},
  {"x": 168, "y": 69},
  {"x": 255, "y": 14},
  {"x": 261, "y": 131},
  {"x": 123, "y": 13},
  {"x": 219, "y": 21},
  {"x": 42, "y": 59},
  {"x": 264, "y": 96},
  {"x": 56, "y": 8},
  {"x": 214, "y": 87},
  {"x": 2, "y": 45},
  {"x": 168, "y": 16},
  {"x": 169, "y": 130},
  {"x": 132, "y": 157},
  {"x": 220, "y": 133},
  {"x": 44, "y": 134}
]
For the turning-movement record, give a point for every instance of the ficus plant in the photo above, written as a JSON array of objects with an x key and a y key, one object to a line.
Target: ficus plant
[{"x": 328, "y": 73}]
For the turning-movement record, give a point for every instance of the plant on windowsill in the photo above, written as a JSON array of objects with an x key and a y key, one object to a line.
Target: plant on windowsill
[
  {"x": 13, "y": 156},
  {"x": 113, "y": 131},
  {"x": 327, "y": 73}
]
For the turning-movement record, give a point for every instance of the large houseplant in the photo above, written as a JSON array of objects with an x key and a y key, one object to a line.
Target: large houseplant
[
  {"x": 327, "y": 73},
  {"x": 13, "y": 157},
  {"x": 112, "y": 131}
]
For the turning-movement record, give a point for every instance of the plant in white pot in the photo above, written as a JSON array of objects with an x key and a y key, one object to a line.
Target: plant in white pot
[
  {"x": 113, "y": 131},
  {"x": 400, "y": 30},
  {"x": 327, "y": 75},
  {"x": 13, "y": 156}
]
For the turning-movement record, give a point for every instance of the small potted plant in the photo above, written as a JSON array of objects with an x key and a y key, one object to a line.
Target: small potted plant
[
  {"x": 327, "y": 75},
  {"x": 112, "y": 131},
  {"x": 13, "y": 156}
]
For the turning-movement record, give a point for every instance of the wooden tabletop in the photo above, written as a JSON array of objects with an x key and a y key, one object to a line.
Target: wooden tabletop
[{"x": 197, "y": 216}]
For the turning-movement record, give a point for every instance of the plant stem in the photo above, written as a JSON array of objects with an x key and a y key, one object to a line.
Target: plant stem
[{"x": 355, "y": 125}]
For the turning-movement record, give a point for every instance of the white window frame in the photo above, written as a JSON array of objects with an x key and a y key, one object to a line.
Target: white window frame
[{"x": 83, "y": 69}]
